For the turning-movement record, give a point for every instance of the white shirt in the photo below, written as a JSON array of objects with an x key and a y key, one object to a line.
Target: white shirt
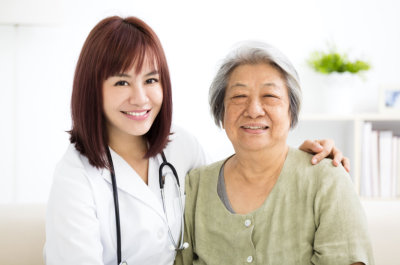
[{"x": 80, "y": 222}]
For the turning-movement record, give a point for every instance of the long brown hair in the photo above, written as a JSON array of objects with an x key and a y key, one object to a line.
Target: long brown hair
[{"x": 114, "y": 45}]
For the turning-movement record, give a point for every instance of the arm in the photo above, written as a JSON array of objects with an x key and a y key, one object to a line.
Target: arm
[
  {"x": 186, "y": 256},
  {"x": 72, "y": 228},
  {"x": 341, "y": 235},
  {"x": 323, "y": 149}
]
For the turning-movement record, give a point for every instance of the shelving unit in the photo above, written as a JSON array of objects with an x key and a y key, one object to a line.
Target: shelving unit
[{"x": 346, "y": 131}]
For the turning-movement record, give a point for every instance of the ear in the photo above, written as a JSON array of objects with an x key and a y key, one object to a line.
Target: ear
[{"x": 222, "y": 119}]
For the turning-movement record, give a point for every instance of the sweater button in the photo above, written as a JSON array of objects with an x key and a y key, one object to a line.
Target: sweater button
[{"x": 250, "y": 259}]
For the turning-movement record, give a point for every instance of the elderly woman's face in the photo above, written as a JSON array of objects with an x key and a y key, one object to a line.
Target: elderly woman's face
[{"x": 256, "y": 108}]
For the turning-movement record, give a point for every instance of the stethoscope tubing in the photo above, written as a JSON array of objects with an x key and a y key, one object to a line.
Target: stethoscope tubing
[
  {"x": 116, "y": 205},
  {"x": 176, "y": 246}
]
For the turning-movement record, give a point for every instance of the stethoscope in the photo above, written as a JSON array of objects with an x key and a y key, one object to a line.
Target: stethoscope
[{"x": 175, "y": 245}]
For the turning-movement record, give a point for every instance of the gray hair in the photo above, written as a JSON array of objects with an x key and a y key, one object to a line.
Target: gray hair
[{"x": 254, "y": 53}]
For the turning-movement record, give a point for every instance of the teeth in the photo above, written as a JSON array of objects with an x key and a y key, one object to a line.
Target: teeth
[
  {"x": 254, "y": 127},
  {"x": 137, "y": 114}
]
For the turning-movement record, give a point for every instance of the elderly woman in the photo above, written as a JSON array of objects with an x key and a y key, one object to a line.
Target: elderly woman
[{"x": 267, "y": 204}]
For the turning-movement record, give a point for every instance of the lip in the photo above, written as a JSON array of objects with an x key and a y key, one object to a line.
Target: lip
[
  {"x": 137, "y": 115},
  {"x": 254, "y": 128}
]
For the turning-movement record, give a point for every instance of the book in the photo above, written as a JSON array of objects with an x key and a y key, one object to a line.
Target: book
[
  {"x": 385, "y": 163},
  {"x": 398, "y": 168},
  {"x": 395, "y": 166},
  {"x": 366, "y": 174},
  {"x": 374, "y": 164}
]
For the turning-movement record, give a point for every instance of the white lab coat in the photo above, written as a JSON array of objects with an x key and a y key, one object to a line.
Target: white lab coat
[{"x": 80, "y": 222}]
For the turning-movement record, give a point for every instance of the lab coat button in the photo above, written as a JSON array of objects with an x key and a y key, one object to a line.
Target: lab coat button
[
  {"x": 250, "y": 259},
  {"x": 247, "y": 223}
]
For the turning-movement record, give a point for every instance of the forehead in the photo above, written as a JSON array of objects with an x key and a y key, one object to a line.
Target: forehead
[{"x": 255, "y": 73}]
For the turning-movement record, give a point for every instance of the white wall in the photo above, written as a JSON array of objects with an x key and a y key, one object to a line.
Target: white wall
[{"x": 37, "y": 60}]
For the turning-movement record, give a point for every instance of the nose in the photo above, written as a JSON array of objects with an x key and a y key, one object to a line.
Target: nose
[
  {"x": 255, "y": 108},
  {"x": 138, "y": 95}
]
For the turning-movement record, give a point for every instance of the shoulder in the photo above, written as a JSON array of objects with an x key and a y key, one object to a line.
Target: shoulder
[
  {"x": 72, "y": 179},
  {"x": 184, "y": 149},
  {"x": 180, "y": 137},
  {"x": 208, "y": 170},
  {"x": 303, "y": 159},
  {"x": 72, "y": 168},
  {"x": 328, "y": 185},
  {"x": 324, "y": 172},
  {"x": 205, "y": 174},
  {"x": 72, "y": 160}
]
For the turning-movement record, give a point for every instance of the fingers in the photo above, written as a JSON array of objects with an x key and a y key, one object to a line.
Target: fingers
[
  {"x": 311, "y": 146},
  {"x": 337, "y": 156},
  {"x": 346, "y": 164},
  {"x": 328, "y": 145},
  {"x": 325, "y": 148},
  {"x": 338, "y": 159},
  {"x": 318, "y": 157}
]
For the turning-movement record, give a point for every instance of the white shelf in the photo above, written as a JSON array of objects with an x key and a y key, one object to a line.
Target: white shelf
[
  {"x": 350, "y": 117},
  {"x": 346, "y": 131}
]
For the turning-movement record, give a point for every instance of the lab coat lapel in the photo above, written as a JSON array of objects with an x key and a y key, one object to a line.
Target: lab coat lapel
[{"x": 130, "y": 182}]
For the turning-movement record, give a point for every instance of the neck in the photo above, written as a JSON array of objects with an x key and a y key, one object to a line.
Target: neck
[
  {"x": 132, "y": 149},
  {"x": 127, "y": 146},
  {"x": 263, "y": 165}
]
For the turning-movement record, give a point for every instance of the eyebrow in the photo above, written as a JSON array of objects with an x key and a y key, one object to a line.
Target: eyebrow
[
  {"x": 243, "y": 85},
  {"x": 270, "y": 84},
  {"x": 154, "y": 72}
]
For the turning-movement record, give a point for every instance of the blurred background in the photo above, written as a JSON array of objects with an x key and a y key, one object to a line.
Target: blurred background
[{"x": 40, "y": 42}]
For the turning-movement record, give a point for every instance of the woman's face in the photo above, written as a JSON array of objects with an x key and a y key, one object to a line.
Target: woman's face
[
  {"x": 256, "y": 108},
  {"x": 132, "y": 101}
]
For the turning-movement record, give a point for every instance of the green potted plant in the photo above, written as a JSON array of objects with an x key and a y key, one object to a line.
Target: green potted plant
[
  {"x": 338, "y": 78},
  {"x": 332, "y": 61}
]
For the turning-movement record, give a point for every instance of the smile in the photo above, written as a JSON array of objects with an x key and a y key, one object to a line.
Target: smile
[
  {"x": 136, "y": 114},
  {"x": 139, "y": 115},
  {"x": 255, "y": 127}
]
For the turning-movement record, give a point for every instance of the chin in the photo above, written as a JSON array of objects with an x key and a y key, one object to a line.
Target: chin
[
  {"x": 259, "y": 146},
  {"x": 138, "y": 131}
]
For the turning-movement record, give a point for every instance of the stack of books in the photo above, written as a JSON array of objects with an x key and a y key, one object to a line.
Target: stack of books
[{"x": 380, "y": 161}]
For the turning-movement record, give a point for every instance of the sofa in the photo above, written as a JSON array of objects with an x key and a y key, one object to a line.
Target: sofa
[{"x": 22, "y": 232}]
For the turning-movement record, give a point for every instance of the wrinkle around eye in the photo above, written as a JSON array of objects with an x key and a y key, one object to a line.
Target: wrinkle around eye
[
  {"x": 238, "y": 99},
  {"x": 239, "y": 96}
]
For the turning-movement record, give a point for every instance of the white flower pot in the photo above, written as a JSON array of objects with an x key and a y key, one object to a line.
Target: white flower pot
[{"x": 338, "y": 92}]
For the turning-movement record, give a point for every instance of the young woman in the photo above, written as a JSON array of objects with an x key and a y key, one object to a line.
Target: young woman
[{"x": 106, "y": 204}]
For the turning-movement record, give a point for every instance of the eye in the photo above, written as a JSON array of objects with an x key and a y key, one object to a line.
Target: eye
[
  {"x": 270, "y": 96},
  {"x": 121, "y": 83},
  {"x": 239, "y": 96},
  {"x": 151, "y": 81}
]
